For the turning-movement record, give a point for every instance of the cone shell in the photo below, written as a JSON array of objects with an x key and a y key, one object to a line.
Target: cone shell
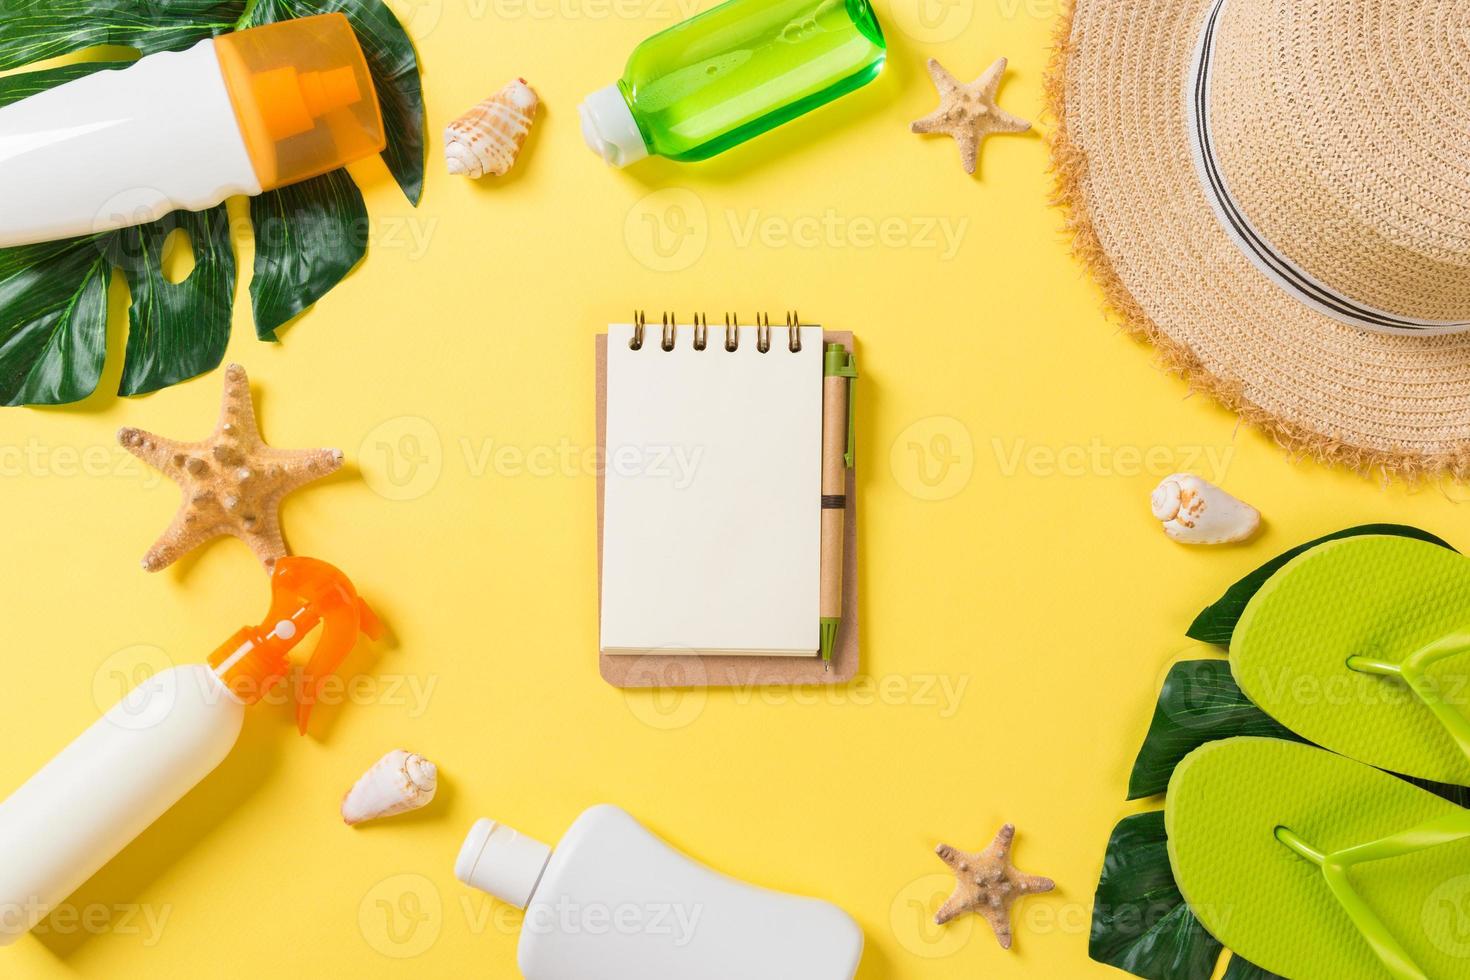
[
  {"x": 488, "y": 138},
  {"x": 401, "y": 781},
  {"x": 1195, "y": 511}
]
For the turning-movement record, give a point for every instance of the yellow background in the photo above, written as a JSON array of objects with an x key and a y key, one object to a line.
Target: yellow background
[{"x": 1019, "y": 604}]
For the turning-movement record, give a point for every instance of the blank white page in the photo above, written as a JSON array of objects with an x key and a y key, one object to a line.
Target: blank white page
[{"x": 712, "y": 506}]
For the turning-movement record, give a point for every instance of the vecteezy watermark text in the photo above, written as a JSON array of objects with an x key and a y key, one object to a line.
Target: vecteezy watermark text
[
  {"x": 1098, "y": 458},
  {"x": 143, "y": 921},
  {"x": 676, "y": 922},
  {"x": 675, "y": 696},
  {"x": 831, "y": 229},
  {"x": 403, "y": 459},
  {"x": 670, "y": 229},
  {"x": 34, "y": 459}
]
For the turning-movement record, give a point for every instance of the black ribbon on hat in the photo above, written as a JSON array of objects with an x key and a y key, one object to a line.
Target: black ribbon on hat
[{"x": 1257, "y": 248}]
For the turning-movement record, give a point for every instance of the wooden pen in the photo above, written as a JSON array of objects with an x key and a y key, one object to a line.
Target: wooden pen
[{"x": 839, "y": 370}]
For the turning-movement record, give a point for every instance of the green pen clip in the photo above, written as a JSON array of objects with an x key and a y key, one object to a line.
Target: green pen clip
[{"x": 841, "y": 364}]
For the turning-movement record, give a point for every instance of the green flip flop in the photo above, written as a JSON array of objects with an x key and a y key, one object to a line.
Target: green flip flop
[
  {"x": 1362, "y": 646},
  {"x": 1316, "y": 867}
]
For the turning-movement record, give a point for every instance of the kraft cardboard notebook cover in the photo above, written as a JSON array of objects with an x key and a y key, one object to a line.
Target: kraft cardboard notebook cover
[{"x": 769, "y": 638}]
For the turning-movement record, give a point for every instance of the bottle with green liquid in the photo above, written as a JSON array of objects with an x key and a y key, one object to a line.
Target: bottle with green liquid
[{"x": 731, "y": 73}]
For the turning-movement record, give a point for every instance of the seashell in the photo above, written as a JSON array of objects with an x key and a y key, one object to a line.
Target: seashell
[
  {"x": 488, "y": 138},
  {"x": 399, "y": 782},
  {"x": 1195, "y": 511}
]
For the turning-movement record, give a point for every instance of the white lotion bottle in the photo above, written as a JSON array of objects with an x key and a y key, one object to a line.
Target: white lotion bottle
[
  {"x": 614, "y": 902},
  {"x": 242, "y": 113},
  {"x": 170, "y": 732}
]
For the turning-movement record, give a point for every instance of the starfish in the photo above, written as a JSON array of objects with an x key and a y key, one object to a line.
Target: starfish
[
  {"x": 989, "y": 884},
  {"x": 232, "y": 482},
  {"x": 968, "y": 112}
]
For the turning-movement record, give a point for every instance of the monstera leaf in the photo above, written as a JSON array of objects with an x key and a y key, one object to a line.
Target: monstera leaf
[
  {"x": 1200, "y": 702},
  {"x": 1217, "y": 623},
  {"x": 1239, "y": 968},
  {"x": 53, "y": 297},
  {"x": 35, "y": 30},
  {"x": 1141, "y": 923}
]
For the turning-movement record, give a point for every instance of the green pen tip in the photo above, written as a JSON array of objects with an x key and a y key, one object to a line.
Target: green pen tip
[{"x": 829, "y": 638}]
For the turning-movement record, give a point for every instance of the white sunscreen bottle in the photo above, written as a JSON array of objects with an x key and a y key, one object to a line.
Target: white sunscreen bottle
[
  {"x": 615, "y": 902},
  {"x": 241, "y": 113}
]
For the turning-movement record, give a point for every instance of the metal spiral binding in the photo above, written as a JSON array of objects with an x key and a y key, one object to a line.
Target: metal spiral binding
[{"x": 700, "y": 326}]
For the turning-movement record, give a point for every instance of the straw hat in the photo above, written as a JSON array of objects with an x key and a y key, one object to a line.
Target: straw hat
[{"x": 1277, "y": 194}]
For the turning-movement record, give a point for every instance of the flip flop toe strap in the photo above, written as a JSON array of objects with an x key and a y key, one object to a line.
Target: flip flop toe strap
[
  {"x": 1335, "y": 867},
  {"x": 1414, "y": 671}
]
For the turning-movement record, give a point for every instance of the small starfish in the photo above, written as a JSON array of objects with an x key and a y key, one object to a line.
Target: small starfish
[
  {"x": 968, "y": 112},
  {"x": 989, "y": 884},
  {"x": 233, "y": 483}
]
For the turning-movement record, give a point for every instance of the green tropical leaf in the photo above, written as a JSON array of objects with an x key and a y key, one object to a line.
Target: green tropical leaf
[
  {"x": 1458, "y": 795},
  {"x": 307, "y": 238},
  {"x": 1140, "y": 921},
  {"x": 35, "y": 30},
  {"x": 395, "y": 68},
  {"x": 53, "y": 297},
  {"x": 13, "y": 88},
  {"x": 53, "y": 338},
  {"x": 1217, "y": 623},
  {"x": 176, "y": 330},
  {"x": 1199, "y": 702},
  {"x": 1240, "y": 968}
]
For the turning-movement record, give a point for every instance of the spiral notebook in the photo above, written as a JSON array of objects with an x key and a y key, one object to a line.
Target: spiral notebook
[{"x": 710, "y": 506}]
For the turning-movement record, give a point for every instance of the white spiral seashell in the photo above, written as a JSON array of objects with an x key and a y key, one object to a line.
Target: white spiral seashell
[
  {"x": 488, "y": 138},
  {"x": 1195, "y": 511},
  {"x": 399, "y": 782}
]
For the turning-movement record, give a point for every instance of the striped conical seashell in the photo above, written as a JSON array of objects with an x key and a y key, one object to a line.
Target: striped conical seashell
[
  {"x": 488, "y": 138},
  {"x": 397, "y": 783}
]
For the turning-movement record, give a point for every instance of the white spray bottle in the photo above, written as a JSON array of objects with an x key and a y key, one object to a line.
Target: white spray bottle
[
  {"x": 616, "y": 903},
  {"x": 161, "y": 740}
]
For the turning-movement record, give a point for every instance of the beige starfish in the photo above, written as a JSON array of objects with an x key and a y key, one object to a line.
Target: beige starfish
[
  {"x": 968, "y": 112},
  {"x": 989, "y": 884},
  {"x": 233, "y": 483}
]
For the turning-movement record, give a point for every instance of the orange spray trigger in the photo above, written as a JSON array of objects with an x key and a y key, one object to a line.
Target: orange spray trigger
[{"x": 304, "y": 592}]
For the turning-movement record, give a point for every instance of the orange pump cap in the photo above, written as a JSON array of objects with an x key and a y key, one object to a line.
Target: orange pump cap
[
  {"x": 303, "y": 96},
  {"x": 305, "y": 592},
  {"x": 291, "y": 101}
]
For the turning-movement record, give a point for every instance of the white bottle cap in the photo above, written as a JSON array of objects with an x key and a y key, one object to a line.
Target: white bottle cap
[
  {"x": 609, "y": 128},
  {"x": 501, "y": 862}
]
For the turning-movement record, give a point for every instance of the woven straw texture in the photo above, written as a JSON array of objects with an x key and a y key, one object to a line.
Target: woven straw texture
[
  {"x": 1388, "y": 228},
  {"x": 1344, "y": 129}
]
